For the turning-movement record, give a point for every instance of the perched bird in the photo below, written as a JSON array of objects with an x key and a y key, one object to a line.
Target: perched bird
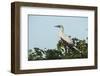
[{"x": 67, "y": 41}]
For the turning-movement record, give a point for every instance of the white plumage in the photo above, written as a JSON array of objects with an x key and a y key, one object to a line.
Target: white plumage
[{"x": 65, "y": 38}]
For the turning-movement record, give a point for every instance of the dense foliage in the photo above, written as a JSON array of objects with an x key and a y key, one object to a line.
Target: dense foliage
[{"x": 60, "y": 53}]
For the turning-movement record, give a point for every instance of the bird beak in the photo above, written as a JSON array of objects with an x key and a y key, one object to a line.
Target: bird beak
[{"x": 58, "y": 26}]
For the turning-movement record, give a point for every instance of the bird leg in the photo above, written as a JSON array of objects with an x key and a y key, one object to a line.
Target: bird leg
[{"x": 67, "y": 48}]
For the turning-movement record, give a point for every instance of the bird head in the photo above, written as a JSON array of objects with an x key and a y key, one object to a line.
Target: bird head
[{"x": 59, "y": 26}]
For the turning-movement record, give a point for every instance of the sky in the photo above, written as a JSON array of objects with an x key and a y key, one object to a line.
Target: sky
[{"x": 43, "y": 34}]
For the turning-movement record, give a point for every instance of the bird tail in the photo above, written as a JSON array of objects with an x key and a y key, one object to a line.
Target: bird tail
[{"x": 77, "y": 49}]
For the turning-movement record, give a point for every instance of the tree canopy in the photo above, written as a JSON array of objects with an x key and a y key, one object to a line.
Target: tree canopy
[{"x": 60, "y": 52}]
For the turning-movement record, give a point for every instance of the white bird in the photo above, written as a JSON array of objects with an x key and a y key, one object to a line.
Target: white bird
[{"x": 66, "y": 39}]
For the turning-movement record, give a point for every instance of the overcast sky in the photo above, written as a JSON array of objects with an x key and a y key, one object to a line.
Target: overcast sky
[{"x": 43, "y": 34}]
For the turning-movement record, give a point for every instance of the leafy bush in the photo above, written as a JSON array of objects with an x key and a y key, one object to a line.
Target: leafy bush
[{"x": 61, "y": 52}]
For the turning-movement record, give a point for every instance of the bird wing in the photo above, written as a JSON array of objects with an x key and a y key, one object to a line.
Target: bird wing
[{"x": 66, "y": 38}]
